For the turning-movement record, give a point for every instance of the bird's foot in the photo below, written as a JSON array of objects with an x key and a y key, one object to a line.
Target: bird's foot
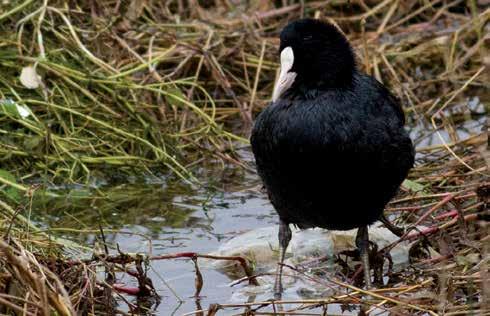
[
  {"x": 277, "y": 291},
  {"x": 277, "y": 296},
  {"x": 284, "y": 238},
  {"x": 362, "y": 243}
]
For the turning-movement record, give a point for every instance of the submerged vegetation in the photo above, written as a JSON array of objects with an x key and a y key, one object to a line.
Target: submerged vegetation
[{"x": 96, "y": 91}]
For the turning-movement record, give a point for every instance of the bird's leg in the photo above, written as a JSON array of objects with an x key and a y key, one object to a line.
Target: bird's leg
[
  {"x": 362, "y": 243},
  {"x": 398, "y": 231},
  {"x": 284, "y": 238}
]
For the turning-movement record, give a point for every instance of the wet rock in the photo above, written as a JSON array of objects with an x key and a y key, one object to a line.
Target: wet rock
[{"x": 260, "y": 247}]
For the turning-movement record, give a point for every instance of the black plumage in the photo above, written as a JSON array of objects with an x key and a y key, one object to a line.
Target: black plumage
[{"x": 331, "y": 150}]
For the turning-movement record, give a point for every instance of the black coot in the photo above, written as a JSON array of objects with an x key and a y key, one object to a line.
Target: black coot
[{"x": 331, "y": 148}]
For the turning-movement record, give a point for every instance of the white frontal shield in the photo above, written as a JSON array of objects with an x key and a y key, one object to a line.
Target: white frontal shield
[{"x": 286, "y": 78}]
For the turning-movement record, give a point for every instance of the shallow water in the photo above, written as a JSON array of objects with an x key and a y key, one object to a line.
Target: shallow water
[{"x": 158, "y": 215}]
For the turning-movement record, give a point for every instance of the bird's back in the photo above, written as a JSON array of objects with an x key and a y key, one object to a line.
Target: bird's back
[{"x": 332, "y": 158}]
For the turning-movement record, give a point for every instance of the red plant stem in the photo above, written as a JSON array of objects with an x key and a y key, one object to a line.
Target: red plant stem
[
  {"x": 452, "y": 213},
  {"x": 448, "y": 198},
  {"x": 434, "y": 260},
  {"x": 126, "y": 290},
  {"x": 472, "y": 194},
  {"x": 176, "y": 255},
  {"x": 356, "y": 273},
  {"x": 123, "y": 259},
  {"x": 418, "y": 207},
  {"x": 404, "y": 208},
  {"x": 241, "y": 260},
  {"x": 434, "y": 229},
  {"x": 425, "y": 232}
]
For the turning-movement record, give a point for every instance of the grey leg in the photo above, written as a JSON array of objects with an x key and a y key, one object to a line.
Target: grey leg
[
  {"x": 284, "y": 238},
  {"x": 394, "y": 229},
  {"x": 362, "y": 243}
]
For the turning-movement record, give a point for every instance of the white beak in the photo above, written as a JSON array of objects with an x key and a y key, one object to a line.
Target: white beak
[{"x": 286, "y": 78}]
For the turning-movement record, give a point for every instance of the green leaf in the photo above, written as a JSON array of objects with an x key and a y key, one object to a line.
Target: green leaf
[
  {"x": 470, "y": 259},
  {"x": 413, "y": 186},
  {"x": 10, "y": 191},
  {"x": 175, "y": 91},
  {"x": 9, "y": 107},
  {"x": 32, "y": 142},
  {"x": 79, "y": 194}
]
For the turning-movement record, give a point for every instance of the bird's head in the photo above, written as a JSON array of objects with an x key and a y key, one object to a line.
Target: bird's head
[{"x": 314, "y": 55}]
